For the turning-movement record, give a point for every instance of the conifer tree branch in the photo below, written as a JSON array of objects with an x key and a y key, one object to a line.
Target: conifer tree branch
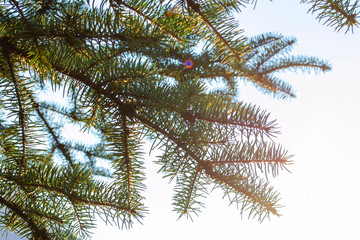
[
  {"x": 97, "y": 61},
  {"x": 192, "y": 190},
  {"x": 299, "y": 62},
  {"x": 255, "y": 43},
  {"x": 250, "y": 161},
  {"x": 337, "y": 13},
  {"x": 48, "y": 217},
  {"x": 152, "y": 21},
  {"x": 74, "y": 197},
  {"x": 86, "y": 35},
  {"x": 127, "y": 157},
  {"x": 70, "y": 194},
  {"x": 83, "y": 78},
  {"x": 335, "y": 6},
  {"x": 224, "y": 180},
  {"x": 21, "y": 112},
  {"x": 94, "y": 86},
  {"x": 226, "y": 121},
  {"x": 272, "y": 52},
  {"x": 207, "y": 166},
  {"x": 23, "y": 16},
  {"x": 58, "y": 145},
  {"x": 30, "y": 28},
  {"x": 220, "y": 36},
  {"x": 77, "y": 215},
  {"x": 121, "y": 65},
  {"x": 38, "y": 232}
]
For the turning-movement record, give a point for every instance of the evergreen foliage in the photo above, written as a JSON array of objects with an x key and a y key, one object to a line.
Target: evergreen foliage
[
  {"x": 121, "y": 66},
  {"x": 336, "y": 13}
]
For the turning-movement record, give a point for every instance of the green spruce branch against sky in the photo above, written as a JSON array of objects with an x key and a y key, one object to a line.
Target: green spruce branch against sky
[{"x": 134, "y": 71}]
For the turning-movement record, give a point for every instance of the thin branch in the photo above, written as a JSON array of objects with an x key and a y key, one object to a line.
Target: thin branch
[
  {"x": 228, "y": 45},
  {"x": 78, "y": 218},
  {"x": 206, "y": 166},
  {"x": 223, "y": 179},
  {"x": 149, "y": 19},
  {"x": 30, "y": 28},
  {"x": 191, "y": 190},
  {"x": 274, "y": 161},
  {"x": 126, "y": 156},
  {"x": 350, "y": 18},
  {"x": 23, "y": 16},
  {"x": 220, "y": 36},
  {"x": 300, "y": 65},
  {"x": 37, "y": 232},
  {"x": 59, "y": 145},
  {"x": 71, "y": 196},
  {"x": 97, "y": 61},
  {"x": 266, "y": 129},
  {"x": 21, "y": 112},
  {"x": 53, "y": 218},
  {"x": 269, "y": 55}
]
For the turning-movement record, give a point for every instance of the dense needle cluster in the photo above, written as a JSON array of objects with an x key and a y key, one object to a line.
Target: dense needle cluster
[
  {"x": 121, "y": 67},
  {"x": 336, "y": 13}
]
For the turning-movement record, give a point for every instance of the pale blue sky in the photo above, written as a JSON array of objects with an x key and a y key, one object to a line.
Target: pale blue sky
[{"x": 320, "y": 127}]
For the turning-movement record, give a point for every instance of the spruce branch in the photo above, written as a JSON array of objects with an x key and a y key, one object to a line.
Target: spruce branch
[
  {"x": 255, "y": 43},
  {"x": 148, "y": 18},
  {"x": 37, "y": 232},
  {"x": 267, "y": 204},
  {"x": 22, "y": 163},
  {"x": 222, "y": 39},
  {"x": 121, "y": 66},
  {"x": 31, "y": 30},
  {"x": 127, "y": 161},
  {"x": 206, "y": 166},
  {"x": 156, "y": 128},
  {"x": 336, "y": 13},
  {"x": 294, "y": 63},
  {"x": 274, "y": 50},
  {"x": 70, "y": 194},
  {"x": 187, "y": 191},
  {"x": 54, "y": 136}
]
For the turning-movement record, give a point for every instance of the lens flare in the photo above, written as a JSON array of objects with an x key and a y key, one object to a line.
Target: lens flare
[{"x": 189, "y": 64}]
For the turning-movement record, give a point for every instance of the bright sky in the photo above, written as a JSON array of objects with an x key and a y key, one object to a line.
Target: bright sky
[{"x": 319, "y": 127}]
